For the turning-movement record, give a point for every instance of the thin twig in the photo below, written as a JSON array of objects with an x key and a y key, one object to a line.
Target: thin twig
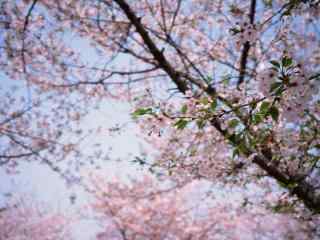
[{"x": 25, "y": 27}]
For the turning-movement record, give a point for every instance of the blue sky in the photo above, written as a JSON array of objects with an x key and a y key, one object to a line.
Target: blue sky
[{"x": 45, "y": 185}]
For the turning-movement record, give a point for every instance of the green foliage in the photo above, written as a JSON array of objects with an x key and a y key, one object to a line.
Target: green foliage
[
  {"x": 201, "y": 123},
  {"x": 184, "y": 109},
  {"x": 286, "y": 62},
  {"x": 274, "y": 113},
  {"x": 275, "y": 63},
  {"x": 233, "y": 123},
  {"x": 284, "y": 69},
  {"x": 235, "y": 138},
  {"x": 234, "y": 30},
  {"x": 276, "y": 88},
  {"x": 264, "y": 108},
  {"x": 213, "y": 105},
  {"x": 283, "y": 208},
  {"x": 204, "y": 100},
  {"x": 239, "y": 141},
  {"x": 181, "y": 124},
  {"x": 141, "y": 111},
  {"x": 257, "y": 118},
  {"x": 290, "y": 185}
]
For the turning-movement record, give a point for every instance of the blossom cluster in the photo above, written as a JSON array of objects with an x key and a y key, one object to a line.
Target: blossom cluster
[{"x": 246, "y": 32}]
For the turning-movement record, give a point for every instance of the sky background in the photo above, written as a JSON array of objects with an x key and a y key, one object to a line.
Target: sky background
[{"x": 46, "y": 186}]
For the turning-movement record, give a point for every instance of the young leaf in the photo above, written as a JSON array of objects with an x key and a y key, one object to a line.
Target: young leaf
[
  {"x": 233, "y": 123},
  {"x": 275, "y": 86},
  {"x": 274, "y": 113},
  {"x": 275, "y": 63},
  {"x": 181, "y": 124},
  {"x": 213, "y": 105},
  {"x": 141, "y": 111},
  {"x": 257, "y": 118},
  {"x": 201, "y": 123},
  {"x": 236, "y": 152},
  {"x": 184, "y": 109},
  {"x": 286, "y": 61},
  {"x": 235, "y": 139},
  {"x": 242, "y": 147},
  {"x": 204, "y": 100},
  {"x": 264, "y": 108}
]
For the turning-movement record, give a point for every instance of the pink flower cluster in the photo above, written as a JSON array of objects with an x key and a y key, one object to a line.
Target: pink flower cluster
[
  {"x": 146, "y": 210},
  {"x": 247, "y": 33},
  {"x": 297, "y": 98}
]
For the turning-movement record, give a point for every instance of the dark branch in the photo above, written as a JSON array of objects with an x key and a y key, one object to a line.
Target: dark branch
[
  {"x": 8, "y": 157},
  {"x": 156, "y": 53},
  {"x": 26, "y": 21},
  {"x": 302, "y": 189},
  {"x": 246, "y": 46},
  {"x": 25, "y": 27}
]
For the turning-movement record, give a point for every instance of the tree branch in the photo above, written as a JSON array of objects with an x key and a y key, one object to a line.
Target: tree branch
[
  {"x": 246, "y": 46},
  {"x": 157, "y": 54},
  {"x": 25, "y": 27},
  {"x": 302, "y": 189}
]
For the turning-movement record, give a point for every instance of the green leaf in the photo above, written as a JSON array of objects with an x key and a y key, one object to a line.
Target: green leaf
[
  {"x": 235, "y": 139},
  {"x": 181, "y": 124},
  {"x": 201, "y": 123},
  {"x": 275, "y": 86},
  {"x": 252, "y": 141},
  {"x": 236, "y": 152},
  {"x": 257, "y": 118},
  {"x": 242, "y": 148},
  {"x": 264, "y": 108},
  {"x": 233, "y": 123},
  {"x": 213, "y": 105},
  {"x": 286, "y": 61},
  {"x": 204, "y": 100},
  {"x": 279, "y": 91},
  {"x": 283, "y": 208},
  {"x": 234, "y": 31},
  {"x": 184, "y": 109},
  {"x": 275, "y": 63},
  {"x": 274, "y": 113},
  {"x": 141, "y": 111}
]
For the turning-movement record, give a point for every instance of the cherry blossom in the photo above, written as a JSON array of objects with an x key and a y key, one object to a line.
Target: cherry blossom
[
  {"x": 225, "y": 91},
  {"x": 26, "y": 220}
]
